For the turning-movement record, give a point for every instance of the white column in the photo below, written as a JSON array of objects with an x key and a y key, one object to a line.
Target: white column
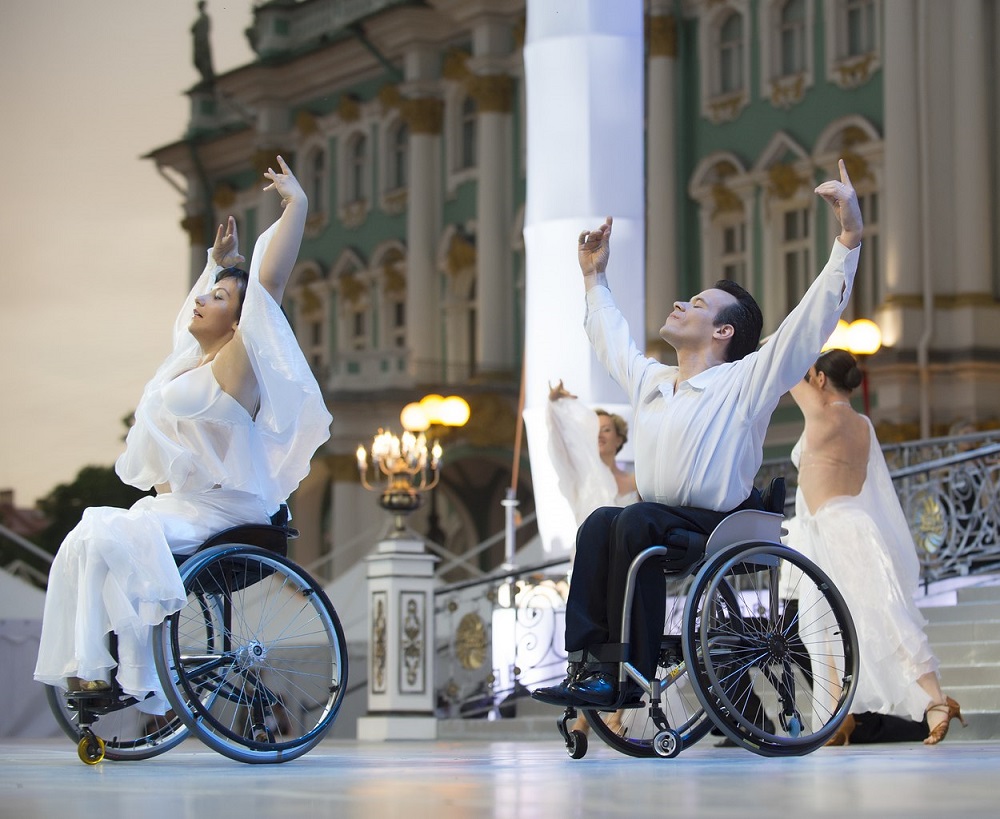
[
  {"x": 902, "y": 163},
  {"x": 584, "y": 87},
  {"x": 494, "y": 269},
  {"x": 423, "y": 214},
  {"x": 972, "y": 183},
  {"x": 662, "y": 277}
]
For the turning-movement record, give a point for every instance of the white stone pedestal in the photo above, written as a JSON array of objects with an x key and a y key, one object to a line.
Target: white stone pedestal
[{"x": 400, "y": 643}]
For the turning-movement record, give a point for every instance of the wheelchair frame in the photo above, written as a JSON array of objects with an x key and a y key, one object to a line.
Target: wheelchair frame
[
  {"x": 734, "y": 640},
  {"x": 254, "y": 665}
]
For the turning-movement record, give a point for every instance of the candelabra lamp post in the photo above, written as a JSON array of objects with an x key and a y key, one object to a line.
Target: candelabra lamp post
[
  {"x": 402, "y": 469},
  {"x": 400, "y": 592}
]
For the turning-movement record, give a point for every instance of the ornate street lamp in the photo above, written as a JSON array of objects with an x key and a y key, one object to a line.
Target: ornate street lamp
[
  {"x": 435, "y": 411},
  {"x": 402, "y": 467}
]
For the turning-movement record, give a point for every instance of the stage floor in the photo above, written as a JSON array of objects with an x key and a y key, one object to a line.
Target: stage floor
[{"x": 44, "y": 778}]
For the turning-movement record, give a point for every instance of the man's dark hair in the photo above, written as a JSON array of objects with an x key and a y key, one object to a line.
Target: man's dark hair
[
  {"x": 745, "y": 318},
  {"x": 242, "y": 279}
]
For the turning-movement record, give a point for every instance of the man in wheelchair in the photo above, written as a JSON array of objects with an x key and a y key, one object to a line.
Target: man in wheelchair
[{"x": 698, "y": 431}]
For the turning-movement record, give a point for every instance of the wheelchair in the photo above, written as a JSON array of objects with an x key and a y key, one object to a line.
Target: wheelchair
[
  {"x": 254, "y": 664},
  {"x": 753, "y": 629}
]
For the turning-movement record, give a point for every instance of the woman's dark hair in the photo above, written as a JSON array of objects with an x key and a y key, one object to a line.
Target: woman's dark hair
[
  {"x": 621, "y": 426},
  {"x": 242, "y": 279},
  {"x": 745, "y": 318},
  {"x": 841, "y": 368}
]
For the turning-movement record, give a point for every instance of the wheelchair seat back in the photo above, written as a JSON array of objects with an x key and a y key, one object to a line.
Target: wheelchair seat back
[{"x": 742, "y": 526}]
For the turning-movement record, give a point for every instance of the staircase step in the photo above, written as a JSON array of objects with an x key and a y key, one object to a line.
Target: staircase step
[
  {"x": 983, "y": 594},
  {"x": 940, "y": 633},
  {"x": 965, "y": 612},
  {"x": 967, "y": 652},
  {"x": 985, "y": 674}
]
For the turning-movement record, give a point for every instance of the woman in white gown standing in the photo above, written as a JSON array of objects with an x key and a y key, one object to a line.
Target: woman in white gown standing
[
  {"x": 224, "y": 431},
  {"x": 589, "y": 476},
  {"x": 849, "y": 522}
]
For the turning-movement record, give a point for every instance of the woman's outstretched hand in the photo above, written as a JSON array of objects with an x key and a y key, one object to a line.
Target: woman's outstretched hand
[
  {"x": 226, "y": 250},
  {"x": 285, "y": 184}
]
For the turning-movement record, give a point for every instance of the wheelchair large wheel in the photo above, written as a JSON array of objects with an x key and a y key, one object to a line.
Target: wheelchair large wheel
[
  {"x": 633, "y": 731},
  {"x": 268, "y": 683},
  {"x": 774, "y": 664},
  {"x": 128, "y": 734}
]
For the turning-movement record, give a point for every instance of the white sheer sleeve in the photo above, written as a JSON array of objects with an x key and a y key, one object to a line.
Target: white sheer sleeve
[{"x": 583, "y": 478}]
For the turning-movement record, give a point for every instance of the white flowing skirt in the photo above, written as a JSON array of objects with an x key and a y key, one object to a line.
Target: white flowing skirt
[
  {"x": 116, "y": 572},
  {"x": 893, "y": 649}
]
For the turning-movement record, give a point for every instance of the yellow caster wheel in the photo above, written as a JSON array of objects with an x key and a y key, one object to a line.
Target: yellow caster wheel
[{"x": 90, "y": 749}]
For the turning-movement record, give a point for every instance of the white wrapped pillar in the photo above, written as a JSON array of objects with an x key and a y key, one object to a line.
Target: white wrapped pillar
[{"x": 584, "y": 95}]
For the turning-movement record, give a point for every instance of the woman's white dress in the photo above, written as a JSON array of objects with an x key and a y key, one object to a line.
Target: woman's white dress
[
  {"x": 864, "y": 544},
  {"x": 584, "y": 479},
  {"x": 115, "y": 571}
]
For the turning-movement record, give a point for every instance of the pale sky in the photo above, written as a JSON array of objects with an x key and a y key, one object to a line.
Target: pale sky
[{"x": 94, "y": 264}]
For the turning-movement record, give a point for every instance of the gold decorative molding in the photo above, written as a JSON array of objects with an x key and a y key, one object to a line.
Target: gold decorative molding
[
  {"x": 456, "y": 65},
  {"x": 461, "y": 255},
  {"x": 223, "y": 195},
  {"x": 787, "y": 91},
  {"x": 662, "y": 31},
  {"x": 353, "y": 214},
  {"x": 194, "y": 226},
  {"x": 305, "y": 123},
  {"x": 942, "y": 301},
  {"x": 493, "y": 93},
  {"x": 311, "y": 303},
  {"x": 784, "y": 181},
  {"x": 380, "y": 653},
  {"x": 423, "y": 116},
  {"x": 725, "y": 200},
  {"x": 412, "y": 643},
  {"x": 854, "y": 72},
  {"x": 389, "y": 97},
  {"x": 394, "y": 202},
  {"x": 470, "y": 642},
  {"x": 727, "y": 108},
  {"x": 352, "y": 288},
  {"x": 349, "y": 108}
]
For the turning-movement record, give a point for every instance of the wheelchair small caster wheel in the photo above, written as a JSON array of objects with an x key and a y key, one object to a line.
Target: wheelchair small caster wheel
[
  {"x": 90, "y": 749},
  {"x": 667, "y": 744},
  {"x": 794, "y": 727},
  {"x": 577, "y": 745}
]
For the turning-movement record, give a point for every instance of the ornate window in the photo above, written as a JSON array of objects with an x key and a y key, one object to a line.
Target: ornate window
[
  {"x": 725, "y": 195},
  {"x": 467, "y": 145},
  {"x": 856, "y": 140},
  {"x": 315, "y": 178},
  {"x": 395, "y": 166},
  {"x": 355, "y": 173},
  {"x": 724, "y": 32},
  {"x": 390, "y": 273},
  {"x": 730, "y": 55},
  {"x": 308, "y": 298},
  {"x": 786, "y": 50},
  {"x": 853, "y": 31},
  {"x": 784, "y": 172}
]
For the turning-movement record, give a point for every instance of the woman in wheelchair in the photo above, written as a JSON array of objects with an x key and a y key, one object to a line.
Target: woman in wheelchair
[{"x": 224, "y": 431}]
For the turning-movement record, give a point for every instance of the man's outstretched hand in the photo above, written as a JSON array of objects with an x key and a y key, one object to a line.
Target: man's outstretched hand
[{"x": 844, "y": 201}]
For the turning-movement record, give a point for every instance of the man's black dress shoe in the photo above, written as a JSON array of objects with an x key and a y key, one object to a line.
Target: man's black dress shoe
[
  {"x": 556, "y": 694},
  {"x": 599, "y": 688}
]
